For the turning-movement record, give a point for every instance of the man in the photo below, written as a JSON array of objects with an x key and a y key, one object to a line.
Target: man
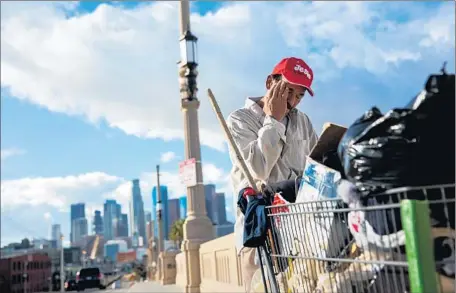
[{"x": 274, "y": 139}]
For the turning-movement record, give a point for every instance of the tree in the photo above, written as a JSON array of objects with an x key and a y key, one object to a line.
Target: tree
[{"x": 177, "y": 232}]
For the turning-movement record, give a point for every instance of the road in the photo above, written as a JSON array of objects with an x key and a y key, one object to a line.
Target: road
[{"x": 142, "y": 287}]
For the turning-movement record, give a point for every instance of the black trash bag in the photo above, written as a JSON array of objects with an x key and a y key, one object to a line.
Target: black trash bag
[
  {"x": 412, "y": 146},
  {"x": 331, "y": 160},
  {"x": 287, "y": 188}
]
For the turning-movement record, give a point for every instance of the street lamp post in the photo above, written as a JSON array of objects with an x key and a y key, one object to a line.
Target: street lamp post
[
  {"x": 197, "y": 227},
  {"x": 62, "y": 273},
  {"x": 84, "y": 258},
  {"x": 159, "y": 213}
]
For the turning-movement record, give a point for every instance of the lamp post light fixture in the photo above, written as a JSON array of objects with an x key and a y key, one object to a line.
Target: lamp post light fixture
[
  {"x": 188, "y": 64},
  {"x": 188, "y": 48}
]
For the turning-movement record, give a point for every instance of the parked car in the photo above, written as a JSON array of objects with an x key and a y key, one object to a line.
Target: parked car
[
  {"x": 70, "y": 284},
  {"x": 87, "y": 278}
]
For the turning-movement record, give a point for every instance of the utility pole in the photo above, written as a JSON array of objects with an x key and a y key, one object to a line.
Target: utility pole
[
  {"x": 62, "y": 273},
  {"x": 197, "y": 227},
  {"x": 159, "y": 213},
  {"x": 159, "y": 223}
]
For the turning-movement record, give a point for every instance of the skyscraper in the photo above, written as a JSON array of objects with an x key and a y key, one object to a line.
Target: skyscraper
[
  {"x": 111, "y": 218},
  {"x": 138, "y": 209},
  {"x": 220, "y": 209},
  {"x": 123, "y": 226},
  {"x": 77, "y": 211},
  {"x": 97, "y": 223},
  {"x": 210, "y": 194},
  {"x": 164, "y": 199},
  {"x": 80, "y": 229},
  {"x": 148, "y": 216},
  {"x": 183, "y": 206},
  {"x": 173, "y": 212},
  {"x": 55, "y": 237}
]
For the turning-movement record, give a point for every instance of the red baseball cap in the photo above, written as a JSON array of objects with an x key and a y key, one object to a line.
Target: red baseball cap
[{"x": 295, "y": 71}]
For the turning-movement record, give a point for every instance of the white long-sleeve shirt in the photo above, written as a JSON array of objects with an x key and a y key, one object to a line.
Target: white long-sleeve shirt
[{"x": 273, "y": 151}]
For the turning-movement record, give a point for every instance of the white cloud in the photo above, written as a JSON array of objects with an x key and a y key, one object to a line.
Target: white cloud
[
  {"x": 58, "y": 192},
  {"x": 10, "y": 152},
  {"x": 47, "y": 216},
  {"x": 213, "y": 174},
  {"x": 118, "y": 64},
  {"x": 167, "y": 157}
]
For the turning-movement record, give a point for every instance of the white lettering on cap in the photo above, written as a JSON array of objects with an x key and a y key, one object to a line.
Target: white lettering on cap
[{"x": 303, "y": 70}]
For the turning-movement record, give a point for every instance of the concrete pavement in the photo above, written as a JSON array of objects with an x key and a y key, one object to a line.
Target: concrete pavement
[{"x": 148, "y": 287}]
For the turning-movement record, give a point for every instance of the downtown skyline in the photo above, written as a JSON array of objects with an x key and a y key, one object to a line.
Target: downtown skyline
[{"x": 81, "y": 219}]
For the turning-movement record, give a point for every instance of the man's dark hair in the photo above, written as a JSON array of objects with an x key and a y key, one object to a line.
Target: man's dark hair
[{"x": 277, "y": 77}]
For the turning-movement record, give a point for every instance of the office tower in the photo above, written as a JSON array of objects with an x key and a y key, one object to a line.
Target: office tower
[
  {"x": 210, "y": 194},
  {"x": 131, "y": 222},
  {"x": 113, "y": 247},
  {"x": 111, "y": 218},
  {"x": 164, "y": 198},
  {"x": 77, "y": 211},
  {"x": 183, "y": 207},
  {"x": 56, "y": 232},
  {"x": 97, "y": 223},
  {"x": 148, "y": 216},
  {"x": 223, "y": 229},
  {"x": 80, "y": 229},
  {"x": 149, "y": 232},
  {"x": 138, "y": 209},
  {"x": 173, "y": 212},
  {"x": 219, "y": 209},
  {"x": 123, "y": 226}
]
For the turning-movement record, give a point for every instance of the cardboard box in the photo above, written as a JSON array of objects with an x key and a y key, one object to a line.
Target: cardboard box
[{"x": 319, "y": 181}]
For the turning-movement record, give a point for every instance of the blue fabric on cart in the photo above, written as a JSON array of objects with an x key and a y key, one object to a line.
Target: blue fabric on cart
[
  {"x": 256, "y": 222},
  {"x": 242, "y": 201}
]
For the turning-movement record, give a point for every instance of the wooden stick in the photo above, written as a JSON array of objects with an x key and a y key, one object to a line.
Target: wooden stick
[{"x": 230, "y": 139}]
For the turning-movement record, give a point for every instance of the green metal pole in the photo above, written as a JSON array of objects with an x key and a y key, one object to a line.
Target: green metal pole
[{"x": 419, "y": 246}]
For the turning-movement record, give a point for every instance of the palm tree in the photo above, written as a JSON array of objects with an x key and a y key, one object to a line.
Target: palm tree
[{"x": 177, "y": 232}]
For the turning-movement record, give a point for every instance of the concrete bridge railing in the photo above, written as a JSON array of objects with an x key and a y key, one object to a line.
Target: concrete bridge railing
[
  {"x": 181, "y": 270},
  {"x": 220, "y": 266}
]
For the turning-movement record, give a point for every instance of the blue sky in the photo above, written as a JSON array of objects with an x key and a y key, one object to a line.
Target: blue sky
[{"x": 96, "y": 103}]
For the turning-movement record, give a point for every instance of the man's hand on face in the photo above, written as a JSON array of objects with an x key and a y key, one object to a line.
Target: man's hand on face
[{"x": 275, "y": 101}]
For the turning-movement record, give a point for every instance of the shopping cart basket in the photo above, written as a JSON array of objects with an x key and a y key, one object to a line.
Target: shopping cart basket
[{"x": 399, "y": 241}]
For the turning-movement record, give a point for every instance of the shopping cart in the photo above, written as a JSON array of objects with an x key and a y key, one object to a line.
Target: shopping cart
[{"x": 399, "y": 241}]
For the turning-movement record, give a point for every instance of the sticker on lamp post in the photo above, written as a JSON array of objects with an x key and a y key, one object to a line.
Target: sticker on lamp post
[
  {"x": 187, "y": 172},
  {"x": 159, "y": 210}
]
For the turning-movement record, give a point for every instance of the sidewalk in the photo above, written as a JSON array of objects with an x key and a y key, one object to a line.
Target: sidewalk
[{"x": 147, "y": 287}]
